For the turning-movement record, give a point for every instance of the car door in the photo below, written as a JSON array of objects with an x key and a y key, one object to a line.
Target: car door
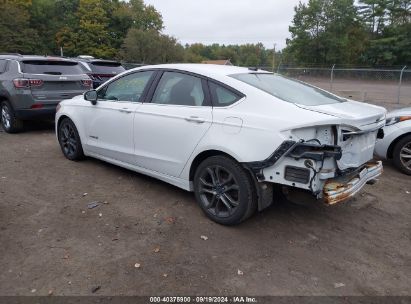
[
  {"x": 169, "y": 127},
  {"x": 110, "y": 121}
]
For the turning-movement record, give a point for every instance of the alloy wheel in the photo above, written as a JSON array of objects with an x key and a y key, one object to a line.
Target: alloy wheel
[
  {"x": 68, "y": 139},
  {"x": 6, "y": 117},
  {"x": 219, "y": 191},
  {"x": 405, "y": 155}
]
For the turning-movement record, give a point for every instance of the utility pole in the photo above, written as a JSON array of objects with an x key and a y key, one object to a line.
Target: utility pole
[
  {"x": 61, "y": 51},
  {"x": 274, "y": 57}
]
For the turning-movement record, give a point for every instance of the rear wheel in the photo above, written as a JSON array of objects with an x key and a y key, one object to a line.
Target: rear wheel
[
  {"x": 224, "y": 190},
  {"x": 9, "y": 122},
  {"x": 402, "y": 155},
  {"x": 69, "y": 140}
]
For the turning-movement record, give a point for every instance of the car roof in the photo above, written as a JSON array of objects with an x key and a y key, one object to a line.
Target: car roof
[
  {"x": 91, "y": 60},
  {"x": 211, "y": 70},
  {"x": 19, "y": 57}
]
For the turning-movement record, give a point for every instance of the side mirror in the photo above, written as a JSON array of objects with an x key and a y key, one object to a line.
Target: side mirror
[{"x": 91, "y": 96}]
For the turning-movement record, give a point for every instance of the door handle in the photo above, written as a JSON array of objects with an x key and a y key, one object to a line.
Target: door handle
[
  {"x": 195, "y": 119},
  {"x": 125, "y": 110}
]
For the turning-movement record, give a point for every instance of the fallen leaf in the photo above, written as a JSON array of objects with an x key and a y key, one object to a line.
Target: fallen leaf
[
  {"x": 85, "y": 194},
  {"x": 157, "y": 250},
  {"x": 50, "y": 293},
  {"x": 93, "y": 205},
  {"x": 165, "y": 275},
  {"x": 170, "y": 220},
  {"x": 137, "y": 265},
  {"x": 100, "y": 214},
  {"x": 339, "y": 285},
  {"x": 95, "y": 289},
  {"x": 239, "y": 272},
  {"x": 66, "y": 257},
  {"x": 33, "y": 290},
  {"x": 203, "y": 237}
]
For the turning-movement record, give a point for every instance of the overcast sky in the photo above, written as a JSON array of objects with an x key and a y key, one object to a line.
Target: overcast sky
[{"x": 227, "y": 21}]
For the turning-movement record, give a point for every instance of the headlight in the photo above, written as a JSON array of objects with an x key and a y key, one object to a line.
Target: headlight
[{"x": 393, "y": 120}]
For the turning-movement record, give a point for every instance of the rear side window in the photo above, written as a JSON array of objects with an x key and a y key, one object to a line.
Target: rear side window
[
  {"x": 2, "y": 65},
  {"x": 180, "y": 89},
  {"x": 223, "y": 97},
  {"x": 103, "y": 67},
  {"x": 52, "y": 67}
]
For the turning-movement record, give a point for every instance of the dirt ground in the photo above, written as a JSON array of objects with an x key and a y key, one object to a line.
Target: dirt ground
[{"x": 51, "y": 241}]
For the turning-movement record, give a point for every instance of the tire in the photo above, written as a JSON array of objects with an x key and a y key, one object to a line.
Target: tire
[
  {"x": 224, "y": 190},
  {"x": 70, "y": 141},
  {"x": 402, "y": 155},
  {"x": 9, "y": 122}
]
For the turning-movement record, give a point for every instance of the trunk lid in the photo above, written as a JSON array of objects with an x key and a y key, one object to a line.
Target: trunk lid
[
  {"x": 60, "y": 79},
  {"x": 56, "y": 88},
  {"x": 352, "y": 113}
]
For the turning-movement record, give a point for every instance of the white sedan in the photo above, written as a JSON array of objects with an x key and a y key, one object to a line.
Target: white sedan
[
  {"x": 396, "y": 144},
  {"x": 228, "y": 134}
]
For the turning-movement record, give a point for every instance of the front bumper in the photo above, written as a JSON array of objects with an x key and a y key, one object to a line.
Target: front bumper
[{"x": 340, "y": 189}]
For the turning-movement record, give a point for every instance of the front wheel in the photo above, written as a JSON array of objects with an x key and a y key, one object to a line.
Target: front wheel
[
  {"x": 69, "y": 140},
  {"x": 224, "y": 190},
  {"x": 402, "y": 155}
]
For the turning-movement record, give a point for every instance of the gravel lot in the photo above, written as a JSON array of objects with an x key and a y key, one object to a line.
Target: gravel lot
[{"x": 52, "y": 242}]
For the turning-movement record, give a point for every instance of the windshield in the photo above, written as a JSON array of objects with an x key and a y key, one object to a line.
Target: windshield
[
  {"x": 57, "y": 67},
  {"x": 289, "y": 90}
]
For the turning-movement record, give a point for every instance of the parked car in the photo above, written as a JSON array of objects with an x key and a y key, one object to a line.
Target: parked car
[
  {"x": 99, "y": 70},
  {"x": 32, "y": 86},
  {"x": 229, "y": 134},
  {"x": 396, "y": 144}
]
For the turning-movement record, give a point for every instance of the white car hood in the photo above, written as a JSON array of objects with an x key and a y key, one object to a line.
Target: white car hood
[{"x": 353, "y": 113}]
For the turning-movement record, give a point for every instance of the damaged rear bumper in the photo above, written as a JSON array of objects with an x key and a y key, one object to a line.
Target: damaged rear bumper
[{"x": 340, "y": 189}]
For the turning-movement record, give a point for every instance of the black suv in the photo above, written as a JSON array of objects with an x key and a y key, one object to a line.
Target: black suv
[
  {"x": 32, "y": 86},
  {"x": 99, "y": 70}
]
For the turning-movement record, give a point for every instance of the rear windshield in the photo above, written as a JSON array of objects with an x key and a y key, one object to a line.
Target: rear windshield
[
  {"x": 104, "y": 67},
  {"x": 289, "y": 90},
  {"x": 52, "y": 67}
]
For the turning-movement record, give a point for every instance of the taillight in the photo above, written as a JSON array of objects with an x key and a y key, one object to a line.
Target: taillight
[
  {"x": 36, "y": 82},
  {"x": 22, "y": 83},
  {"x": 37, "y": 106},
  {"x": 87, "y": 82}
]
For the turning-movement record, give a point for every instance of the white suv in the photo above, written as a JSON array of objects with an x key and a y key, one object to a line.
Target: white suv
[{"x": 229, "y": 134}]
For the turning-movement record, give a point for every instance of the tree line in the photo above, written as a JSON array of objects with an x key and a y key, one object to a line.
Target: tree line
[
  {"x": 126, "y": 30},
  {"x": 323, "y": 32},
  {"x": 366, "y": 32}
]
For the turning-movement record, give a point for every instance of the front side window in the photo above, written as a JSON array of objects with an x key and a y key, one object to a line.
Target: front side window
[
  {"x": 289, "y": 90},
  {"x": 127, "y": 88},
  {"x": 179, "y": 89}
]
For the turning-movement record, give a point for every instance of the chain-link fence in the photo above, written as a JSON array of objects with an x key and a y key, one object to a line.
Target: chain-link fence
[{"x": 388, "y": 87}]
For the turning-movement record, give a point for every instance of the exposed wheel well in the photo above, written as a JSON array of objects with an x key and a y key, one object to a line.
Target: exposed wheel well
[
  {"x": 60, "y": 120},
  {"x": 390, "y": 151},
  {"x": 201, "y": 157}
]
